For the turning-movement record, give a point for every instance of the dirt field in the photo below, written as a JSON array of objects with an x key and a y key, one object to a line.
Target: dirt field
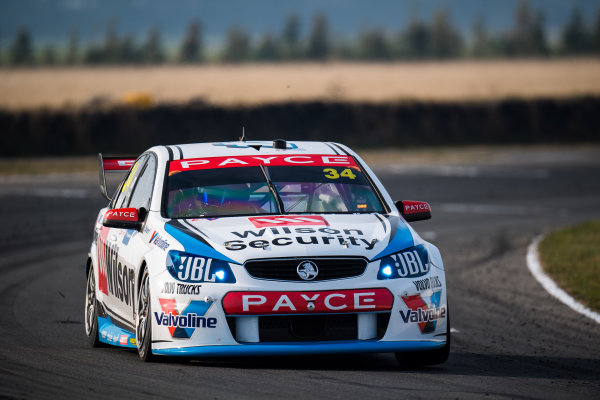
[{"x": 256, "y": 83}]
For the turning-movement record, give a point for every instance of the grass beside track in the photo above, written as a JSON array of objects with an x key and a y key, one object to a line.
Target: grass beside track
[
  {"x": 48, "y": 165},
  {"x": 461, "y": 155},
  {"x": 572, "y": 258}
]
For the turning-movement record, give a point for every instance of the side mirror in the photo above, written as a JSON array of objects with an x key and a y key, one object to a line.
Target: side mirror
[
  {"x": 414, "y": 210},
  {"x": 124, "y": 218}
]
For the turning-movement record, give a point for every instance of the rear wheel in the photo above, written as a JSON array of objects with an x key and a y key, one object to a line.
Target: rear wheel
[
  {"x": 416, "y": 359},
  {"x": 143, "y": 328},
  {"x": 91, "y": 310}
]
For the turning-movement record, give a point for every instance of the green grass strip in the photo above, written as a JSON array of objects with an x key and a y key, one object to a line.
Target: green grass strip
[
  {"x": 572, "y": 258},
  {"x": 48, "y": 165}
]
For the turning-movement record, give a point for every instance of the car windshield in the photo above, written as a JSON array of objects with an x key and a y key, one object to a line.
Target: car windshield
[{"x": 268, "y": 188}]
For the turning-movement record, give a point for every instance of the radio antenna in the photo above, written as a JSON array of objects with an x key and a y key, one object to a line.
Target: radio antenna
[{"x": 243, "y": 138}]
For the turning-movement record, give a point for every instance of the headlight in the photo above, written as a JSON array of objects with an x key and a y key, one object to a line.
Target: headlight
[
  {"x": 409, "y": 263},
  {"x": 188, "y": 267}
]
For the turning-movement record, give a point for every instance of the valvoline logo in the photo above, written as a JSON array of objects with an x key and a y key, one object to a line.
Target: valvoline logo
[
  {"x": 422, "y": 313},
  {"x": 182, "y": 325}
]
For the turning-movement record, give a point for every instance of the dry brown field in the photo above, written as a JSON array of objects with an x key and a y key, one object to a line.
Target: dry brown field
[{"x": 269, "y": 83}]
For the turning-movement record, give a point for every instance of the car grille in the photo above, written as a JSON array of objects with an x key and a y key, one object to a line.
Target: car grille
[
  {"x": 306, "y": 328},
  {"x": 284, "y": 269}
]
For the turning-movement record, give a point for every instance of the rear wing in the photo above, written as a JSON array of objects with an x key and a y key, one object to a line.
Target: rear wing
[{"x": 112, "y": 164}]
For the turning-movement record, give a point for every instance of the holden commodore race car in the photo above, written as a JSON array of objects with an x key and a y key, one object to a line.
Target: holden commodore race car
[{"x": 262, "y": 248}]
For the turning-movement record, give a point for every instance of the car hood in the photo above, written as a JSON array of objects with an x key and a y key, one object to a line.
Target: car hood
[{"x": 238, "y": 239}]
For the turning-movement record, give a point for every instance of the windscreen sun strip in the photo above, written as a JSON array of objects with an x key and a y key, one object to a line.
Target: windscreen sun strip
[{"x": 301, "y": 183}]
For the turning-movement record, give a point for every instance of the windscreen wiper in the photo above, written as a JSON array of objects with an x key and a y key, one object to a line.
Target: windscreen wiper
[{"x": 273, "y": 190}]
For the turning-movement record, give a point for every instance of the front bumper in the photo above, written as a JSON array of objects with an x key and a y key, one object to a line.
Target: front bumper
[{"x": 215, "y": 334}]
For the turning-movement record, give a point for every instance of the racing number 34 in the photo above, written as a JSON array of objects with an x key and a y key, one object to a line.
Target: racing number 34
[{"x": 332, "y": 173}]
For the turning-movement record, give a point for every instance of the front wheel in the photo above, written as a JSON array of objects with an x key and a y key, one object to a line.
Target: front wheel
[
  {"x": 143, "y": 328},
  {"x": 91, "y": 310},
  {"x": 416, "y": 359}
]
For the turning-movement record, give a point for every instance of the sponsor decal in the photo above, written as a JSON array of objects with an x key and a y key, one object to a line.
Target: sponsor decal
[
  {"x": 168, "y": 288},
  {"x": 183, "y": 288},
  {"x": 114, "y": 277},
  {"x": 128, "y": 235},
  {"x": 130, "y": 176},
  {"x": 182, "y": 325},
  {"x": 255, "y": 161},
  {"x": 187, "y": 267},
  {"x": 333, "y": 301},
  {"x": 326, "y": 236},
  {"x": 428, "y": 283},
  {"x": 158, "y": 241},
  {"x": 180, "y": 288},
  {"x": 123, "y": 340},
  {"x": 112, "y": 334},
  {"x": 411, "y": 263},
  {"x": 114, "y": 164},
  {"x": 261, "y": 222},
  {"x": 415, "y": 207},
  {"x": 425, "y": 314},
  {"x": 122, "y": 214},
  {"x": 101, "y": 249}
]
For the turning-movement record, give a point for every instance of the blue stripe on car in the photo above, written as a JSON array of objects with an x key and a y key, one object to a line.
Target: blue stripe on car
[
  {"x": 402, "y": 239},
  {"x": 195, "y": 246}
]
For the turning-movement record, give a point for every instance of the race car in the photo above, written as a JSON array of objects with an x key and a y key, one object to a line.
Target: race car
[{"x": 253, "y": 248}]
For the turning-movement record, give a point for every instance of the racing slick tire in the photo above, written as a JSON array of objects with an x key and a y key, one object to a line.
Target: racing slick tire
[
  {"x": 417, "y": 359},
  {"x": 91, "y": 310},
  {"x": 143, "y": 326}
]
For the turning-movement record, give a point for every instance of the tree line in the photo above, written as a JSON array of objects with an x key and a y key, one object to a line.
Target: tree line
[
  {"x": 433, "y": 39},
  {"x": 127, "y": 130}
]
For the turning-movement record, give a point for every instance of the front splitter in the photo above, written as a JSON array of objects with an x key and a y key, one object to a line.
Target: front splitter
[{"x": 296, "y": 348}]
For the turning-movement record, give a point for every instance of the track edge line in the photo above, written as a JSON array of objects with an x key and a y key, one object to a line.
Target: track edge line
[{"x": 535, "y": 267}]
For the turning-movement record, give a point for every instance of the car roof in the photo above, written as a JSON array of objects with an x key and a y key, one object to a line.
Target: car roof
[{"x": 254, "y": 147}]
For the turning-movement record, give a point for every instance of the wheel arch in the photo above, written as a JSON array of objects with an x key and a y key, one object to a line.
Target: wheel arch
[
  {"x": 138, "y": 278},
  {"x": 88, "y": 265}
]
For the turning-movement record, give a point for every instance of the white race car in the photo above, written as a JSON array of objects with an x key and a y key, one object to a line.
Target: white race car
[{"x": 262, "y": 248}]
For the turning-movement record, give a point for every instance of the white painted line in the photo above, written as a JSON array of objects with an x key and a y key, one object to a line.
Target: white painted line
[
  {"x": 469, "y": 208},
  {"x": 535, "y": 267},
  {"x": 454, "y": 330},
  {"x": 47, "y": 192},
  {"x": 468, "y": 171}
]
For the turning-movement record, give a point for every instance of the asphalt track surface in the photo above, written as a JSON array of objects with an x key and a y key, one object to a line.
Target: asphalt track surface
[{"x": 512, "y": 339}]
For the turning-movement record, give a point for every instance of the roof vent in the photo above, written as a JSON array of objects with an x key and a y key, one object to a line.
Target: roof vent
[{"x": 279, "y": 144}]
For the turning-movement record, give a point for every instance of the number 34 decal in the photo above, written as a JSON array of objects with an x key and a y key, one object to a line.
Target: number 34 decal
[{"x": 332, "y": 173}]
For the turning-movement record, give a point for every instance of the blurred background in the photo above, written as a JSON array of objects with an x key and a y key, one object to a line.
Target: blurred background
[{"x": 82, "y": 76}]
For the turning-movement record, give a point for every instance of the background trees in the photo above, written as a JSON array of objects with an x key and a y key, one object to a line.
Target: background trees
[
  {"x": 436, "y": 38},
  {"x": 191, "y": 50},
  {"x": 21, "y": 51}
]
